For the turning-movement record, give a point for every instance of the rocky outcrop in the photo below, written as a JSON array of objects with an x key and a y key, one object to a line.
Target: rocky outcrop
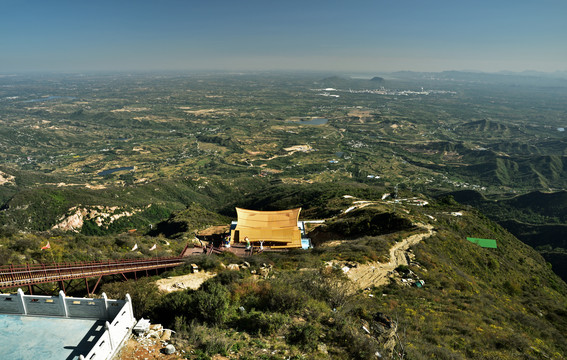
[
  {"x": 103, "y": 216},
  {"x": 6, "y": 178}
]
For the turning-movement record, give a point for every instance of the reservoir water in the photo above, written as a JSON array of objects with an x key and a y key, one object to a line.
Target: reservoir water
[
  {"x": 314, "y": 121},
  {"x": 50, "y": 98},
  {"x": 110, "y": 171}
]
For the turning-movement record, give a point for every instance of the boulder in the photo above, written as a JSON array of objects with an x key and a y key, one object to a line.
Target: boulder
[
  {"x": 166, "y": 336},
  {"x": 169, "y": 349},
  {"x": 234, "y": 267}
]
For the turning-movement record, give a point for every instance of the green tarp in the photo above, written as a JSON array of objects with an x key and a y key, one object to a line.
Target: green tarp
[{"x": 485, "y": 243}]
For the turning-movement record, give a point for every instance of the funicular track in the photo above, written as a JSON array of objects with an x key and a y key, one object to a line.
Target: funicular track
[{"x": 28, "y": 275}]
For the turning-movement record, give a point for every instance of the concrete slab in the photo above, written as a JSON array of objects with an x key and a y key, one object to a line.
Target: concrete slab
[{"x": 48, "y": 338}]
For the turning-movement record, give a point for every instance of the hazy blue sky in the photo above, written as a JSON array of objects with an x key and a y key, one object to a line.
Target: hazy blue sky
[{"x": 377, "y": 35}]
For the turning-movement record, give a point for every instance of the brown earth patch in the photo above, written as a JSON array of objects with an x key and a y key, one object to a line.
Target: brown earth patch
[{"x": 189, "y": 281}]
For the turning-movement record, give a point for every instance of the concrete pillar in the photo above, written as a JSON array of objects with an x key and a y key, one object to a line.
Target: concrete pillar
[
  {"x": 64, "y": 308},
  {"x": 22, "y": 302}
]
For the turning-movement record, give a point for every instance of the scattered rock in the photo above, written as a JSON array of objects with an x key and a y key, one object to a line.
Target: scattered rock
[
  {"x": 264, "y": 272},
  {"x": 179, "y": 286}
]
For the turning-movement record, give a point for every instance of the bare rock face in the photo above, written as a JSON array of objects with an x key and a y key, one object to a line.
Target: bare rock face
[
  {"x": 72, "y": 222},
  {"x": 6, "y": 178},
  {"x": 103, "y": 216}
]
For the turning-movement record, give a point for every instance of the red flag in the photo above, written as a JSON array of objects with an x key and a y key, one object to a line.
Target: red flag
[{"x": 48, "y": 246}]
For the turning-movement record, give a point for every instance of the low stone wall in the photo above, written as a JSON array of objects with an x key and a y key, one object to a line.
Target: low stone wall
[
  {"x": 118, "y": 314},
  {"x": 115, "y": 335},
  {"x": 69, "y": 307}
]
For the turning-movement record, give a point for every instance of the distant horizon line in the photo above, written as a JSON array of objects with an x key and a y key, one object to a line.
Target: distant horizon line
[{"x": 249, "y": 71}]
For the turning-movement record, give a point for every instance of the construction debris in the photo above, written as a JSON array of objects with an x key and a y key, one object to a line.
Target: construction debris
[
  {"x": 148, "y": 336},
  {"x": 142, "y": 326}
]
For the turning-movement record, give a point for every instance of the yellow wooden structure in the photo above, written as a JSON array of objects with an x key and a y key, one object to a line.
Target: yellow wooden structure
[{"x": 277, "y": 229}]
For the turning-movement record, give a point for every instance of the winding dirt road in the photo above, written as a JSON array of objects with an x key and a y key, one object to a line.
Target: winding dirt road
[{"x": 376, "y": 273}]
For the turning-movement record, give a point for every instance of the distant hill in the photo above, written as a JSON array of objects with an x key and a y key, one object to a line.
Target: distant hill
[
  {"x": 539, "y": 219},
  {"x": 537, "y": 206},
  {"x": 346, "y": 83},
  {"x": 522, "y": 78},
  {"x": 488, "y": 126}
]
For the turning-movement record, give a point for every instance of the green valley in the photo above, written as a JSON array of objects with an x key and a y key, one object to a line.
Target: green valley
[{"x": 100, "y": 165}]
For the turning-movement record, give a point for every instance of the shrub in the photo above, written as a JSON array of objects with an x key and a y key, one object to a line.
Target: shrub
[
  {"x": 346, "y": 332},
  {"x": 328, "y": 285},
  {"x": 211, "y": 303},
  {"x": 228, "y": 277},
  {"x": 305, "y": 335},
  {"x": 403, "y": 269},
  {"x": 284, "y": 298},
  {"x": 257, "y": 322},
  {"x": 144, "y": 292},
  {"x": 208, "y": 341},
  {"x": 174, "y": 308}
]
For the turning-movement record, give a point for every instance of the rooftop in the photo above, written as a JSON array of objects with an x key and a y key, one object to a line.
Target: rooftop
[{"x": 48, "y": 338}]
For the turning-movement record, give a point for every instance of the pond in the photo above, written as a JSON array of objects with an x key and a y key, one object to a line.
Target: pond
[
  {"x": 110, "y": 171},
  {"x": 49, "y": 98},
  {"x": 314, "y": 121}
]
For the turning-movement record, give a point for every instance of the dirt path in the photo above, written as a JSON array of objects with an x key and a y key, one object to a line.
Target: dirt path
[{"x": 375, "y": 273}]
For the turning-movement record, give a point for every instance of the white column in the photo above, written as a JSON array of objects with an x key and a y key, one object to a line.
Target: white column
[
  {"x": 22, "y": 302},
  {"x": 105, "y": 298},
  {"x": 63, "y": 299}
]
